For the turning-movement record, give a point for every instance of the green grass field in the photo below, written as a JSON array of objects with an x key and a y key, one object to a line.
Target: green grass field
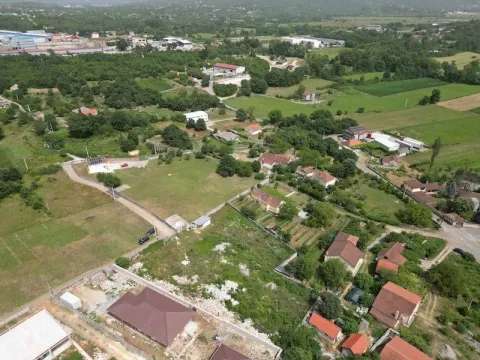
[
  {"x": 268, "y": 308},
  {"x": 461, "y": 59},
  {"x": 54, "y": 251},
  {"x": 310, "y": 85},
  {"x": 263, "y": 105},
  {"x": 395, "y": 87},
  {"x": 331, "y": 52},
  {"x": 412, "y": 116},
  {"x": 456, "y": 131},
  {"x": 351, "y": 100},
  {"x": 155, "y": 84},
  {"x": 366, "y": 76},
  {"x": 188, "y": 188}
]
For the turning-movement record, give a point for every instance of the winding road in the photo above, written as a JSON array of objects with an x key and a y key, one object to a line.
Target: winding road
[{"x": 13, "y": 102}]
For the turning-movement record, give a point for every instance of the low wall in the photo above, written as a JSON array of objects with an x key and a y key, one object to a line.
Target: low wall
[
  {"x": 186, "y": 303},
  {"x": 15, "y": 316}
]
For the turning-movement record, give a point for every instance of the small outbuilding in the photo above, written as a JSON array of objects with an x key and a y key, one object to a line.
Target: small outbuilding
[
  {"x": 202, "y": 222},
  {"x": 355, "y": 295},
  {"x": 71, "y": 301},
  {"x": 196, "y": 115}
]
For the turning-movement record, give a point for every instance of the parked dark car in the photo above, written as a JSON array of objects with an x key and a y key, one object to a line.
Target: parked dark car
[
  {"x": 150, "y": 231},
  {"x": 143, "y": 240},
  {"x": 459, "y": 251}
]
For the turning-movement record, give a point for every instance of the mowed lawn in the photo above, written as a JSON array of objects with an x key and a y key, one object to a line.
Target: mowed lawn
[
  {"x": 395, "y": 87},
  {"x": 330, "y": 52},
  {"x": 55, "y": 251},
  {"x": 188, "y": 188},
  {"x": 155, "y": 84},
  {"x": 455, "y": 131},
  {"x": 310, "y": 85},
  {"x": 263, "y": 105},
  {"x": 461, "y": 59},
  {"x": 412, "y": 116},
  {"x": 268, "y": 299}
]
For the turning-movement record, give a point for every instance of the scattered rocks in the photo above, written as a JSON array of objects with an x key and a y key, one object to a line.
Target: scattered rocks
[
  {"x": 222, "y": 293},
  {"x": 186, "y": 261},
  {"x": 271, "y": 285},
  {"x": 185, "y": 280},
  {"x": 447, "y": 353},
  {"x": 244, "y": 269},
  {"x": 220, "y": 248}
]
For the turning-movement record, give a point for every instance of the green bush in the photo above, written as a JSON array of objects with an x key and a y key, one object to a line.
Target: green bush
[{"x": 123, "y": 262}]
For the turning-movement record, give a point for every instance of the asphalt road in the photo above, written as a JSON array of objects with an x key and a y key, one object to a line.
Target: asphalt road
[{"x": 467, "y": 239}]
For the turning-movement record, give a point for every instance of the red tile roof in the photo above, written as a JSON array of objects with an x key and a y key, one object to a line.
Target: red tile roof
[
  {"x": 254, "y": 127},
  {"x": 393, "y": 302},
  {"x": 344, "y": 247},
  {"x": 225, "y": 352},
  {"x": 386, "y": 265},
  {"x": 425, "y": 198},
  {"x": 272, "y": 159},
  {"x": 414, "y": 184},
  {"x": 324, "y": 177},
  {"x": 432, "y": 187},
  {"x": 393, "y": 253},
  {"x": 399, "y": 349},
  {"x": 352, "y": 142},
  {"x": 227, "y": 66},
  {"x": 306, "y": 170},
  {"x": 152, "y": 314},
  {"x": 324, "y": 325},
  {"x": 265, "y": 198},
  {"x": 341, "y": 236},
  {"x": 357, "y": 344}
]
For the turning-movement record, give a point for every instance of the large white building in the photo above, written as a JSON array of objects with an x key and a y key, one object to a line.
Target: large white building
[
  {"x": 314, "y": 42},
  {"x": 39, "y": 336},
  {"x": 170, "y": 42},
  {"x": 196, "y": 115}
]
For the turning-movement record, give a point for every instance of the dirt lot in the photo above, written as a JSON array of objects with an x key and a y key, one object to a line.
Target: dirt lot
[{"x": 462, "y": 104}]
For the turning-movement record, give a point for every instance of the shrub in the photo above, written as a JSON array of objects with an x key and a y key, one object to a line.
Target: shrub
[
  {"x": 109, "y": 180},
  {"x": 123, "y": 262}
]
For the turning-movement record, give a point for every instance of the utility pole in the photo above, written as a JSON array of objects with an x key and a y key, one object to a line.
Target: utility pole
[
  {"x": 25, "y": 161},
  {"x": 113, "y": 193},
  {"x": 406, "y": 102}
]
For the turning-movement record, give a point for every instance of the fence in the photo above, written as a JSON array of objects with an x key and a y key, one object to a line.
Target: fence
[{"x": 188, "y": 304}]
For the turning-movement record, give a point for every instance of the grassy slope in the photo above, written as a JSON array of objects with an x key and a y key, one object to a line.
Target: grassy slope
[
  {"x": 310, "y": 85},
  {"x": 395, "y": 87},
  {"x": 366, "y": 76},
  {"x": 192, "y": 189},
  {"x": 461, "y": 59},
  {"x": 268, "y": 308},
  {"x": 155, "y": 84}
]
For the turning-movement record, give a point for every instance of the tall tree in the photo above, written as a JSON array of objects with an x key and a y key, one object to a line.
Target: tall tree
[
  {"x": 437, "y": 144},
  {"x": 451, "y": 189}
]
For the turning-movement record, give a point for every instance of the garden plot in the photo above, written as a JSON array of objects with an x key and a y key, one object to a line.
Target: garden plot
[{"x": 462, "y": 104}]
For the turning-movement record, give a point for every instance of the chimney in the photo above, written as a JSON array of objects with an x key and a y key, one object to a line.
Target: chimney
[{"x": 397, "y": 314}]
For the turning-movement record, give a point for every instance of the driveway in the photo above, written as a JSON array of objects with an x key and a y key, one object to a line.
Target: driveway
[
  {"x": 13, "y": 102},
  {"x": 467, "y": 239}
]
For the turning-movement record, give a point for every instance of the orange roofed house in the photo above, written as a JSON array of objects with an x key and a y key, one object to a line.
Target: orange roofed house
[
  {"x": 356, "y": 344},
  {"x": 85, "y": 111},
  {"x": 254, "y": 129},
  {"x": 326, "y": 328},
  {"x": 324, "y": 178},
  {"x": 394, "y": 305},
  {"x": 399, "y": 349},
  {"x": 270, "y": 160},
  {"x": 271, "y": 203},
  {"x": 351, "y": 143},
  {"x": 344, "y": 247},
  {"x": 391, "y": 258},
  {"x": 225, "y": 352}
]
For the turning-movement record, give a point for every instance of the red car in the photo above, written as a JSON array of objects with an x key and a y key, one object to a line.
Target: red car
[{"x": 124, "y": 165}]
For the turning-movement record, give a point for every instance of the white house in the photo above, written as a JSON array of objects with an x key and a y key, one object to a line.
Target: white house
[
  {"x": 14, "y": 87},
  {"x": 197, "y": 115},
  {"x": 325, "y": 178},
  {"x": 308, "y": 96},
  {"x": 254, "y": 129},
  {"x": 39, "y": 336},
  {"x": 387, "y": 144},
  {"x": 228, "y": 69},
  {"x": 411, "y": 143},
  {"x": 95, "y": 35}
]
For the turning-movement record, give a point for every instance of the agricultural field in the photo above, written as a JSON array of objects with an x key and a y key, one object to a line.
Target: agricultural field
[
  {"x": 456, "y": 131},
  {"x": 461, "y": 59},
  {"x": 395, "y": 87},
  {"x": 330, "y": 52},
  {"x": 412, "y": 116},
  {"x": 263, "y": 105},
  {"x": 188, "y": 188},
  {"x": 310, "y": 85},
  {"x": 465, "y": 103},
  {"x": 155, "y": 84},
  {"x": 233, "y": 249},
  {"x": 366, "y": 76}
]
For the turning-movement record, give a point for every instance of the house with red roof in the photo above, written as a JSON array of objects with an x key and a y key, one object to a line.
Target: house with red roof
[
  {"x": 384, "y": 265},
  {"x": 85, "y": 111},
  {"x": 414, "y": 186},
  {"x": 228, "y": 69},
  {"x": 356, "y": 344},
  {"x": 254, "y": 129},
  {"x": 344, "y": 247},
  {"x": 325, "y": 178},
  {"x": 308, "y": 96},
  {"x": 399, "y": 349},
  {"x": 308, "y": 171},
  {"x": 268, "y": 161},
  {"x": 393, "y": 253},
  {"x": 224, "y": 352},
  {"x": 271, "y": 203},
  {"x": 394, "y": 305},
  {"x": 325, "y": 328}
]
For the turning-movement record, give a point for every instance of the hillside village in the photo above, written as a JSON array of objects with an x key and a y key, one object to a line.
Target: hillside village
[{"x": 307, "y": 195}]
